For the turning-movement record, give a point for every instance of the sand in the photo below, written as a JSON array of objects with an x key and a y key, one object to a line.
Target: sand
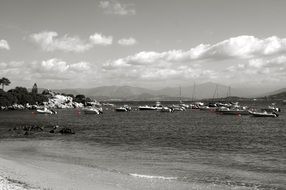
[{"x": 26, "y": 167}]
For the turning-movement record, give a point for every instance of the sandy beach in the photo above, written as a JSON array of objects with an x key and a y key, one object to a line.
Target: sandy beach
[
  {"x": 28, "y": 165},
  {"x": 46, "y": 174}
]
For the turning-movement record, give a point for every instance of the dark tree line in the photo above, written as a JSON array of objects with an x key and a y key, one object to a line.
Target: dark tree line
[{"x": 20, "y": 95}]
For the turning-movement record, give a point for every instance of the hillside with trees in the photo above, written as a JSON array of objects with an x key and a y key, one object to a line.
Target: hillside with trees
[{"x": 19, "y": 95}]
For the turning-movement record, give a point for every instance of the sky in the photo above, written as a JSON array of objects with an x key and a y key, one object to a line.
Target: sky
[{"x": 144, "y": 43}]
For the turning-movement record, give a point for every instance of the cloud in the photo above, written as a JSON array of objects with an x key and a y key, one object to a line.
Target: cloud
[
  {"x": 55, "y": 69},
  {"x": 59, "y": 66},
  {"x": 127, "y": 41},
  {"x": 114, "y": 7},
  {"x": 50, "y": 41},
  {"x": 276, "y": 65},
  {"x": 241, "y": 47},
  {"x": 244, "y": 57},
  {"x": 4, "y": 45},
  {"x": 99, "y": 39}
]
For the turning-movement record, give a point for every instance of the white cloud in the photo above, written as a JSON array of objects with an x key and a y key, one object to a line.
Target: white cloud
[
  {"x": 80, "y": 66},
  {"x": 53, "y": 65},
  {"x": 50, "y": 41},
  {"x": 114, "y": 7},
  {"x": 127, "y": 41},
  {"x": 99, "y": 39},
  {"x": 4, "y": 45},
  {"x": 59, "y": 66},
  {"x": 53, "y": 69},
  {"x": 263, "y": 71},
  {"x": 244, "y": 56},
  {"x": 241, "y": 47}
]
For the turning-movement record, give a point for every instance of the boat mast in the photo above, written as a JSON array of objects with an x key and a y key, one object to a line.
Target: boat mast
[
  {"x": 180, "y": 94},
  {"x": 194, "y": 92},
  {"x": 215, "y": 95}
]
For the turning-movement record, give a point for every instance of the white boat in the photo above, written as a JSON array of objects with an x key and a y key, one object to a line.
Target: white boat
[
  {"x": 271, "y": 108},
  {"x": 166, "y": 109},
  {"x": 121, "y": 109},
  {"x": 124, "y": 108},
  {"x": 91, "y": 110},
  {"x": 46, "y": 111},
  {"x": 177, "y": 108},
  {"x": 235, "y": 111},
  {"x": 146, "y": 107},
  {"x": 263, "y": 114}
]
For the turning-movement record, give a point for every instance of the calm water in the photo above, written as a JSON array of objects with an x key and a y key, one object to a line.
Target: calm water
[{"x": 191, "y": 146}]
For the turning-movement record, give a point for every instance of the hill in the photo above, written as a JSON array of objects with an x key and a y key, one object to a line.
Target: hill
[
  {"x": 278, "y": 96},
  {"x": 207, "y": 90}
]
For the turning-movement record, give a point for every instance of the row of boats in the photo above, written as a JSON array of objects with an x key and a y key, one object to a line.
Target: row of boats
[{"x": 221, "y": 108}]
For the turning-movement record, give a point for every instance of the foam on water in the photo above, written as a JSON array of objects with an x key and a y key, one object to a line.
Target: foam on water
[{"x": 153, "y": 177}]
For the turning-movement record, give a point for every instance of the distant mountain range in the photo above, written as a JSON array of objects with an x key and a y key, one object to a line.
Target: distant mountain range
[{"x": 201, "y": 91}]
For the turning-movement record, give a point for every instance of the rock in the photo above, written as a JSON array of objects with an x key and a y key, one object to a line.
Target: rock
[
  {"x": 27, "y": 133},
  {"x": 52, "y": 131},
  {"x": 66, "y": 131}
]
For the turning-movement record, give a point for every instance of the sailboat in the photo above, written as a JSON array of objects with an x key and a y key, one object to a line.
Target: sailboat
[{"x": 182, "y": 105}]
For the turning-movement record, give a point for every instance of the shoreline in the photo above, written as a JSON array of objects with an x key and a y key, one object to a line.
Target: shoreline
[
  {"x": 20, "y": 162},
  {"x": 10, "y": 184}
]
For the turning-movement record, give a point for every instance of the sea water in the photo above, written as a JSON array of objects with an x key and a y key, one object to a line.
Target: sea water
[{"x": 193, "y": 146}]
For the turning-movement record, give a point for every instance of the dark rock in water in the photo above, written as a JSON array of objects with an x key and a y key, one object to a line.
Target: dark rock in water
[
  {"x": 52, "y": 131},
  {"x": 27, "y": 133},
  {"x": 32, "y": 128},
  {"x": 66, "y": 131}
]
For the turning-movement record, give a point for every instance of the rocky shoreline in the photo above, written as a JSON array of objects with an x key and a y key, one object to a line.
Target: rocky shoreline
[
  {"x": 10, "y": 184},
  {"x": 55, "y": 101}
]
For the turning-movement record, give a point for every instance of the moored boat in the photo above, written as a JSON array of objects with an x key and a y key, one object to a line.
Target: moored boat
[
  {"x": 166, "y": 109},
  {"x": 271, "y": 108},
  {"x": 263, "y": 114},
  {"x": 46, "y": 111},
  {"x": 91, "y": 110},
  {"x": 124, "y": 108},
  {"x": 233, "y": 111},
  {"x": 146, "y": 107}
]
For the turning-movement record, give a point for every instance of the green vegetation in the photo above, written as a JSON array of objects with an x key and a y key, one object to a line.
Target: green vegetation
[
  {"x": 19, "y": 95},
  {"x": 4, "y": 82}
]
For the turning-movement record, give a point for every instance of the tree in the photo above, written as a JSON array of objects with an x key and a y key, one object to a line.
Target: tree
[
  {"x": 80, "y": 98},
  {"x": 4, "y": 82},
  {"x": 35, "y": 89}
]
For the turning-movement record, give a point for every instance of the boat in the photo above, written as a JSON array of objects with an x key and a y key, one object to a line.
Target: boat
[
  {"x": 121, "y": 109},
  {"x": 46, "y": 111},
  {"x": 263, "y": 114},
  {"x": 166, "y": 109},
  {"x": 157, "y": 106},
  {"x": 233, "y": 111},
  {"x": 196, "y": 105},
  {"x": 124, "y": 108},
  {"x": 91, "y": 110},
  {"x": 175, "y": 107},
  {"x": 146, "y": 107},
  {"x": 271, "y": 108}
]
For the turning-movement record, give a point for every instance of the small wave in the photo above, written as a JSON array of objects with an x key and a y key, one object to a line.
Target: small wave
[{"x": 153, "y": 177}]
